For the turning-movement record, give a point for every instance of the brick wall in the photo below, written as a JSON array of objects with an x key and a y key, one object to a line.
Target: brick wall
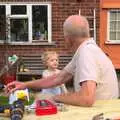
[{"x": 61, "y": 9}]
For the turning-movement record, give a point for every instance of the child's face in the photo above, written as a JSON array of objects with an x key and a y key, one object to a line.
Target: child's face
[{"x": 52, "y": 62}]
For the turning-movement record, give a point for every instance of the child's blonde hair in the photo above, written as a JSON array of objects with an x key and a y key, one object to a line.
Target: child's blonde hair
[{"x": 46, "y": 55}]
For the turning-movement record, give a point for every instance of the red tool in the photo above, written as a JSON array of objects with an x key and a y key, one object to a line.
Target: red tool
[{"x": 45, "y": 107}]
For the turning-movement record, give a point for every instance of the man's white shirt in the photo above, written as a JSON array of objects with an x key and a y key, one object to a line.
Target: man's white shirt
[{"x": 91, "y": 63}]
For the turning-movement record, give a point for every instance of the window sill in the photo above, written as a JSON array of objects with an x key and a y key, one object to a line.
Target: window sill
[
  {"x": 112, "y": 42},
  {"x": 39, "y": 44}
]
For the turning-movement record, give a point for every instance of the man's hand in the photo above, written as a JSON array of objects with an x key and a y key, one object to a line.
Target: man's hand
[{"x": 11, "y": 87}]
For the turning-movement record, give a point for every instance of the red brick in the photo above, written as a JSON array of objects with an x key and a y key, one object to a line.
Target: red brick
[{"x": 61, "y": 9}]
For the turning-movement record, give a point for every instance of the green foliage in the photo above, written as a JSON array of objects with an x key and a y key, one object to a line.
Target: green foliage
[
  {"x": 5, "y": 100},
  {"x": 118, "y": 73}
]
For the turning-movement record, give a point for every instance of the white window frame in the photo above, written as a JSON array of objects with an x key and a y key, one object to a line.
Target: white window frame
[
  {"x": 108, "y": 29},
  {"x": 29, "y": 16}
]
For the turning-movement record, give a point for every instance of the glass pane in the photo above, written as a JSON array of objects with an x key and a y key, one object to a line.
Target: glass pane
[
  {"x": 18, "y": 9},
  {"x": 40, "y": 24},
  {"x": 113, "y": 26},
  {"x": 91, "y": 23},
  {"x": 113, "y": 15},
  {"x": 2, "y": 23},
  {"x": 118, "y": 15},
  {"x": 91, "y": 33},
  {"x": 19, "y": 30},
  {"x": 118, "y": 35},
  {"x": 118, "y": 25},
  {"x": 112, "y": 35}
]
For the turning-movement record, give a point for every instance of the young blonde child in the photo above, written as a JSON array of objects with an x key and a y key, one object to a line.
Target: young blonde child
[{"x": 51, "y": 61}]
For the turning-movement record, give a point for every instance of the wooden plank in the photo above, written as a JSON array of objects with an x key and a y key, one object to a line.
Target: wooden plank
[{"x": 35, "y": 64}]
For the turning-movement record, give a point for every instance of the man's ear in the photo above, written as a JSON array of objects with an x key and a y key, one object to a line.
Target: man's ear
[
  {"x": 68, "y": 44},
  {"x": 70, "y": 40}
]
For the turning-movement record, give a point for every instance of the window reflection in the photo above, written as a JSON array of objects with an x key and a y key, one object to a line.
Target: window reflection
[
  {"x": 2, "y": 23},
  {"x": 40, "y": 24},
  {"x": 18, "y": 9},
  {"x": 19, "y": 30}
]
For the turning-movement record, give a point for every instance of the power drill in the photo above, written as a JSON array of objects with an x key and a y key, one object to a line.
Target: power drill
[
  {"x": 16, "y": 107},
  {"x": 15, "y": 110}
]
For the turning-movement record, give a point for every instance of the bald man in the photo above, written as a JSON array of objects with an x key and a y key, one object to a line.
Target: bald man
[{"x": 93, "y": 72}]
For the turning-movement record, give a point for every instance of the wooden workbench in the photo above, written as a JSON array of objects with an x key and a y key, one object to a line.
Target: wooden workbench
[{"x": 110, "y": 108}]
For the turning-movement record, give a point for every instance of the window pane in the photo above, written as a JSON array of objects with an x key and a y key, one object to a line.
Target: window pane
[
  {"x": 91, "y": 33},
  {"x": 112, "y": 35},
  {"x": 18, "y": 9},
  {"x": 118, "y": 15},
  {"x": 118, "y": 25},
  {"x": 2, "y": 23},
  {"x": 113, "y": 15},
  {"x": 118, "y": 35},
  {"x": 40, "y": 24},
  {"x": 113, "y": 26},
  {"x": 91, "y": 23},
  {"x": 19, "y": 30}
]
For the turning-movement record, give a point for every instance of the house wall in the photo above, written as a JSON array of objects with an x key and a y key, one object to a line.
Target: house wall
[
  {"x": 111, "y": 49},
  {"x": 61, "y": 9}
]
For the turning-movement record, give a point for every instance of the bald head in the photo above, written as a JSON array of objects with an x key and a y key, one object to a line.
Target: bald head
[{"x": 76, "y": 26}]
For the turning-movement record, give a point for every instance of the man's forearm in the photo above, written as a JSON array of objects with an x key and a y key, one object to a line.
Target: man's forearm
[
  {"x": 75, "y": 99},
  {"x": 51, "y": 81},
  {"x": 42, "y": 83}
]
